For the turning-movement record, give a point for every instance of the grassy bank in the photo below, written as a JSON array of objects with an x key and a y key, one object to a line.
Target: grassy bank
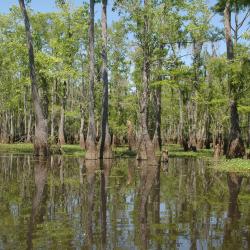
[
  {"x": 234, "y": 165},
  {"x": 176, "y": 150},
  {"x": 75, "y": 150},
  {"x": 67, "y": 150}
]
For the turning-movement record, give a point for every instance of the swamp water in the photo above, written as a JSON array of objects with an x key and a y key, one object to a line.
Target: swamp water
[{"x": 69, "y": 203}]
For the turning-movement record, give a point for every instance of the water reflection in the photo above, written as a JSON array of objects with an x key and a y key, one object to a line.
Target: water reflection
[
  {"x": 91, "y": 167},
  {"x": 39, "y": 199},
  {"x": 70, "y": 203},
  {"x": 233, "y": 215},
  {"x": 149, "y": 175}
]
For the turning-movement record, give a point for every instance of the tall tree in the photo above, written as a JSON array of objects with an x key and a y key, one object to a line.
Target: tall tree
[
  {"x": 236, "y": 146},
  {"x": 91, "y": 152},
  {"x": 41, "y": 128},
  {"x": 105, "y": 146},
  {"x": 145, "y": 145}
]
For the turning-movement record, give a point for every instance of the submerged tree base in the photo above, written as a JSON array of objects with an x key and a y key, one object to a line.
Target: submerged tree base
[
  {"x": 236, "y": 149},
  {"x": 108, "y": 154},
  {"x": 41, "y": 150},
  {"x": 91, "y": 155},
  {"x": 146, "y": 150}
]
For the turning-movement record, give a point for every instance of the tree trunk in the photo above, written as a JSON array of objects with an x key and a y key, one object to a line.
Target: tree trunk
[
  {"x": 91, "y": 152},
  {"x": 236, "y": 146},
  {"x": 61, "y": 138},
  {"x": 41, "y": 131},
  {"x": 145, "y": 146},
  {"x": 105, "y": 146},
  {"x": 82, "y": 140},
  {"x": 131, "y": 136},
  {"x": 157, "y": 134},
  {"x": 248, "y": 133},
  {"x": 228, "y": 35},
  {"x": 29, "y": 128},
  {"x": 11, "y": 128},
  {"x": 180, "y": 128},
  {"x": 4, "y": 132},
  {"x": 197, "y": 47},
  {"x": 157, "y": 103},
  {"x": 52, "y": 129}
]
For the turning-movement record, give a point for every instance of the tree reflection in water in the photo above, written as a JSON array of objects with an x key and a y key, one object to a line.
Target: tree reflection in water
[
  {"x": 233, "y": 215},
  {"x": 39, "y": 198},
  {"x": 148, "y": 177},
  {"x": 70, "y": 203}
]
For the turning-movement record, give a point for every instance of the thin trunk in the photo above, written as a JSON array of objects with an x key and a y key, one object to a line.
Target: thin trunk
[
  {"x": 248, "y": 139},
  {"x": 5, "y": 137},
  {"x": 11, "y": 128},
  {"x": 82, "y": 108},
  {"x": 82, "y": 140},
  {"x": 105, "y": 146},
  {"x": 61, "y": 137},
  {"x": 52, "y": 129},
  {"x": 180, "y": 129},
  {"x": 29, "y": 128},
  {"x": 131, "y": 136},
  {"x": 236, "y": 146},
  {"x": 157, "y": 99},
  {"x": 41, "y": 132},
  {"x": 236, "y": 20},
  {"x": 229, "y": 41},
  {"x": 91, "y": 136},
  {"x": 157, "y": 134},
  {"x": 25, "y": 112},
  {"x": 197, "y": 47}
]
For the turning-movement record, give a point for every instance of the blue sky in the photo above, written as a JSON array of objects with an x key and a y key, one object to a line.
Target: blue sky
[{"x": 49, "y": 5}]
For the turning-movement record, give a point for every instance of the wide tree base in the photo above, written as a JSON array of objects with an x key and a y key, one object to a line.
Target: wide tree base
[
  {"x": 41, "y": 150},
  {"x": 218, "y": 150},
  {"x": 91, "y": 155},
  {"x": 108, "y": 154},
  {"x": 146, "y": 150},
  {"x": 236, "y": 149}
]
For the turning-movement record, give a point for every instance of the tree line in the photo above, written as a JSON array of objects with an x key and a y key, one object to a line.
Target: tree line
[{"x": 154, "y": 76}]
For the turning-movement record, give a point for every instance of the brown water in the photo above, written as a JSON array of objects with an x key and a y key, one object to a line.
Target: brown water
[{"x": 67, "y": 203}]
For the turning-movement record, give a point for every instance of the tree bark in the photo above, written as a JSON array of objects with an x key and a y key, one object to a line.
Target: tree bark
[
  {"x": 197, "y": 47},
  {"x": 11, "y": 128},
  {"x": 236, "y": 146},
  {"x": 105, "y": 146},
  {"x": 91, "y": 152},
  {"x": 82, "y": 140},
  {"x": 29, "y": 128},
  {"x": 228, "y": 35},
  {"x": 248, "y": 133},
  {"x": 61, "y": 138},
  {"x": 145, "y": 146},
  {"x": 41, "y": 131},
  {"x": 52, "y": 129},
  {"x": 131, "y": 136},
  {"x": 180, "y": 127},
  {"x": 157, "y": 99}
]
